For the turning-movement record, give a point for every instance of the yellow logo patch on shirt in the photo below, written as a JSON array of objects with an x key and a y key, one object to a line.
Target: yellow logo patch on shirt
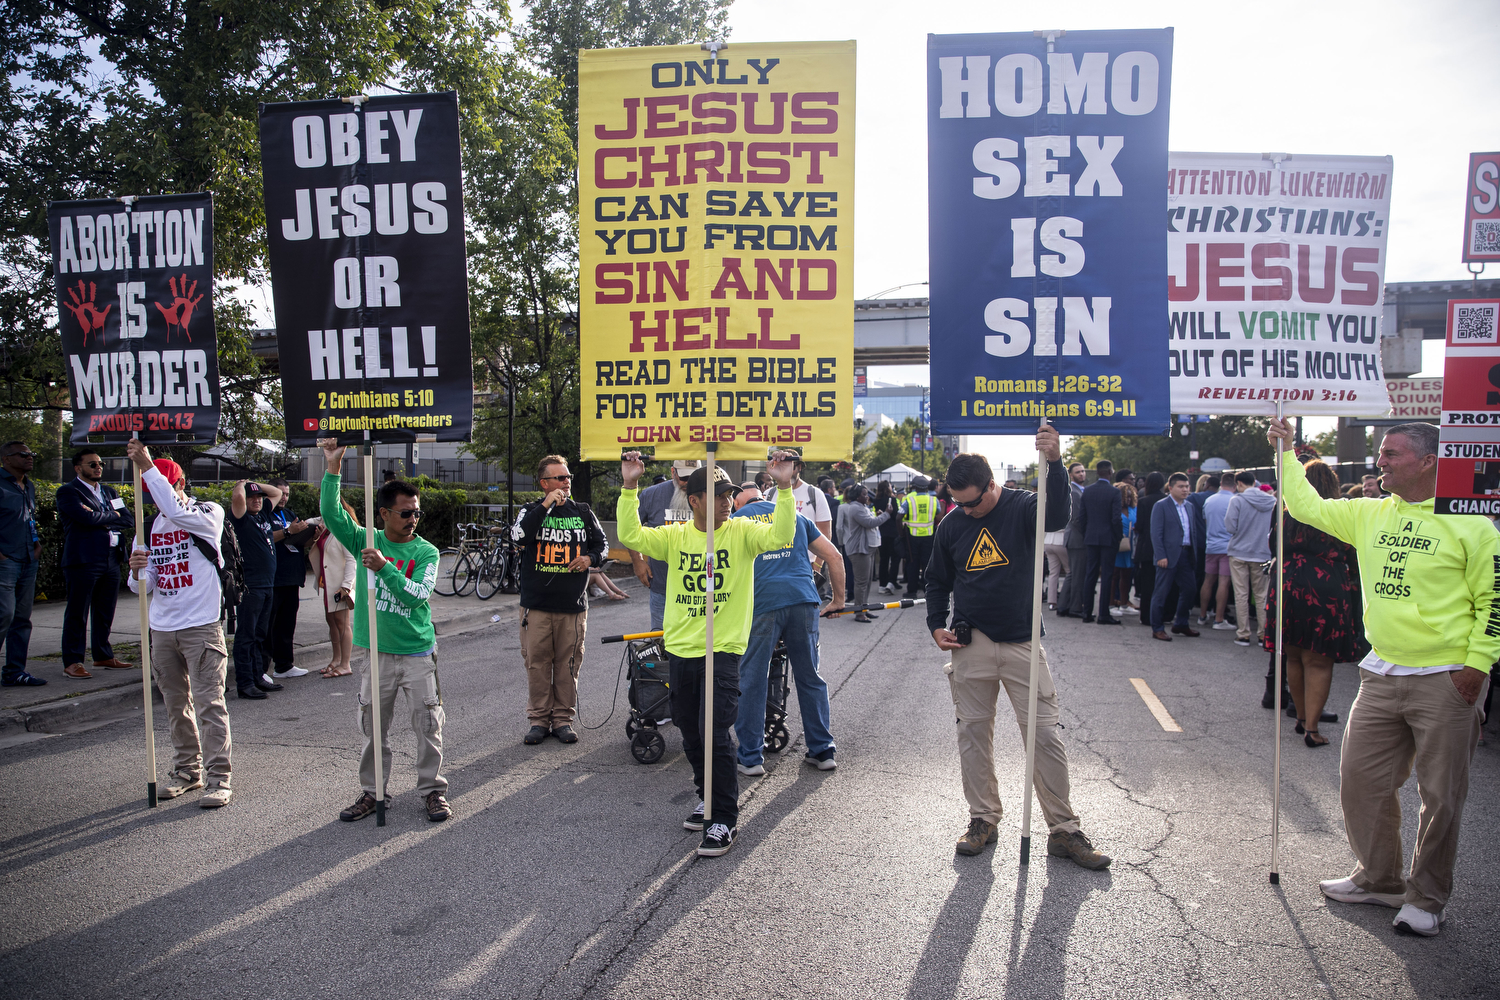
[{"x": 986, "y": 553}]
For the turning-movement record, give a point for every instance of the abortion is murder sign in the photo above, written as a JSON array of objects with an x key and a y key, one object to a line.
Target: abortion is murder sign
[
  {"x": 716, "y": 210},
  {"x": 135, "y": 298},
  {"x": 364, "y": 213}
]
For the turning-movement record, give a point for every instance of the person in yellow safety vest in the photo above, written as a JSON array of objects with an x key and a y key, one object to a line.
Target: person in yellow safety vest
[{"x": 919, "y": 510}]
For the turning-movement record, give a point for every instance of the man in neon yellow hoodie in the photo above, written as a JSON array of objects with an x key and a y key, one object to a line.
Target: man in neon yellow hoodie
[
  {"x": 1430, "y": 614},
  {"x": 682, "y": 546}
]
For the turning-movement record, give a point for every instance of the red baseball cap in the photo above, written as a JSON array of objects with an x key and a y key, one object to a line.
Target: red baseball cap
[{"x": 170, "y": 470}]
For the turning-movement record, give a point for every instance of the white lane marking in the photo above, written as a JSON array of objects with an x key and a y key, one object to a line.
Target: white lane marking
[{"x": 1159, "y": 710}]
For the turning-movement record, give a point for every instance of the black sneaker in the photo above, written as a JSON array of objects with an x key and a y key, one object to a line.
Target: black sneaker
[
  {"x": 565, "y": 734},
  {"x": 363, "y": 806},
  {"x": 823, "y": 760},
  {"x": 535, "y": 735},
  {"x": 717, "y": 840},
  {"x": 695, "y": 819}
]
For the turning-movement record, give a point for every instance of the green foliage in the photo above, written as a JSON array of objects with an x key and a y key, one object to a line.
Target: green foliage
[
  {"x": 1240, "y": 441},
  {"x": 893, "y": 445}
]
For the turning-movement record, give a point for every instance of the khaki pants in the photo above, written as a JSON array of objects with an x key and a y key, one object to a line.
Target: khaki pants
[
  {"x": 1248, "y": 577},
  {"x": 1057, "y": 568},
  {"x": 417, "y": 676},
  {"x": 552, "y": 648},
  {"x": 978, "y": 671},
  {"x": 189, "y": 666},
  {"x": 1396, "y": 722}
]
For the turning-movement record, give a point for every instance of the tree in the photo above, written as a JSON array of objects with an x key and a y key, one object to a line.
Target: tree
[
  {"x": 893, "y": 446},
  {"x": 1240, "y": 441}
]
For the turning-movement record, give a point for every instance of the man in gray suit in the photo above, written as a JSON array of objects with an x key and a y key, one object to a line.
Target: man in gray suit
[{"x": 1070, "y": 604}]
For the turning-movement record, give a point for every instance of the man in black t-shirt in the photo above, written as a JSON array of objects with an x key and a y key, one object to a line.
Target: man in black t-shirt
[
  {"x": 250, "y": 516},
  {"x": 560, "y": 540},
  {"x": 985, "y": 561}
]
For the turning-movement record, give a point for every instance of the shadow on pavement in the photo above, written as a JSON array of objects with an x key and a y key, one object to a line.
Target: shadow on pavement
[{"x": 941, "y": 967}]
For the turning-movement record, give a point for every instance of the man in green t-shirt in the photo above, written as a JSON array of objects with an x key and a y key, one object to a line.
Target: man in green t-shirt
[
  {"x": 683, "y": 546},
  {"x": 405, "y": 568}
]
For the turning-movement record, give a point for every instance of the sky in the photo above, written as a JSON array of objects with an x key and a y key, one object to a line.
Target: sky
[{"x": 1417, "y": 81}]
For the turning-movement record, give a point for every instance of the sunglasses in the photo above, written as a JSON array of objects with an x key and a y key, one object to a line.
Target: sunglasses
[
  {"x": 22, "y": 454},
  {"x": 977, "y": 500},
  {"x": 92, "y": 465},
  {"x": 561, "y": 479},
  {"x": 408, "y": 514}
]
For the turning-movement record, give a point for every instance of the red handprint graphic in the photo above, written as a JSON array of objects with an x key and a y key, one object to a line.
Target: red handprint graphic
[
  {"x": 180, "y": 313},
  {"x": 84, "y": 310}
]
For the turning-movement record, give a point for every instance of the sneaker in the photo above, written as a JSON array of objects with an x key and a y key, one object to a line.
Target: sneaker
[
  {"x": 289, "y": 672},
  {"x": 565, "y": 734},
  {"x": 717, "y": 840},
  {"x": 1241, "y": 642},
  {"x": 22, "y": 679},
  {"x": 1345, "y": 891},
  {"x": 978, "y": 834},
  {"x": 363, "y": 806},
  {"x": 216, "y": 797},
  {"x": 753, "y": 771},
  {"x": 1224, "y": 626},
  {"x": 823, "y": 760},
  {"x": 1076, "y": 846},
  {"x": 535, "y": 735},
  {"x": 180, "y": 782},
  {"x": 438, "y": 808},
  {"x": 695, "y": 818},
  {"x": 1205, "y": 619},
  {"x": 1414, "y": 920}
]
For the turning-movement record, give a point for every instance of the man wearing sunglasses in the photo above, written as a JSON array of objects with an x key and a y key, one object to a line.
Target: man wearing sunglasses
[
  {"x": 20, "y": 548},
  {"x": 560, "y": 540},
  {"x": 405, "y": 568},
  {"x": 94, "y": 521},
  {"x": 983, "y": 555}
]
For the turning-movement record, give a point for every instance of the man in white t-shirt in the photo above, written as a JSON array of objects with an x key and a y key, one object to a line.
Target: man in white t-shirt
[
  {"x": 188, "y": 653},
  {"x": 812, "y": 503}
]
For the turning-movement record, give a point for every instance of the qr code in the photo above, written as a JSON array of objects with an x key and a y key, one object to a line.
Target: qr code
[
  {"x": 1477, "y": 324},
  {"x": 1485, "y": 237}
]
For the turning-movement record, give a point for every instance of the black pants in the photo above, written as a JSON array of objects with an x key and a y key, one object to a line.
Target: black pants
[
  {"x": 1101, "y": 560},
  {"x": 890, "y": 561},
  {"x": 1182, "y": 575},
  {"x": 1145, "y": 580},
  {"x": 278, "y": 650},
  {"x": 848, "y": 576},
  {"x": 1071, "y": 598},
  {"x": 254, "y": 618},
  {"x": 92, "y": 591},
  {"x": 919, "y": 551},
  {"x": 687, "y": 714}
]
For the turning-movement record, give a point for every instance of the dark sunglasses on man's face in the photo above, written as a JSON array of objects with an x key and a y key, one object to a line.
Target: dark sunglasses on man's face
[
  {"x": 408, "y": 514},
  {"x": 561, "y": 479},
  {"x": 92, "y": 465},
  {"x": 977, "y": 500},
  {"x": 22, "y": 454}
]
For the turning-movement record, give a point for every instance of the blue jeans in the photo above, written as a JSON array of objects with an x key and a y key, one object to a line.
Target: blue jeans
[
  {"x": 253, "y": 621},
  {"x": 17, "y": 588},
  {"x": 798, "y": 626},
  {"x": 658, "y": 610}
]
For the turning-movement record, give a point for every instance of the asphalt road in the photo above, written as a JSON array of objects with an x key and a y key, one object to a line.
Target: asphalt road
[{"x": 565, "y": 871}]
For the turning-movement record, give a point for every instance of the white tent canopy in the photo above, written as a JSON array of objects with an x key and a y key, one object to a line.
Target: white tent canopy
[{"x": 899, "y": 474}]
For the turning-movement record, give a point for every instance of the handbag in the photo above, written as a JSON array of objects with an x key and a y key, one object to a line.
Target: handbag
[{"x": 1125, "y": 544}]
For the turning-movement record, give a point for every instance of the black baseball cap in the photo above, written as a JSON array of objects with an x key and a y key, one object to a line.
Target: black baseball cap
[{"x": 698, "y": 482}]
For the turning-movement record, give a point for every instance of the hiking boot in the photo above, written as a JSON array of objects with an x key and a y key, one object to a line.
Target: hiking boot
[
  {"x": 535, "y": 735},
  {"x": 717, "y": 840},
  {"x": 695, "y": 818},
  {"x": 178, "y": 783},
  {"x": 216, "y": 797},
  {"x": 363, "y": 806},
  {"x": 1076, "y": 846},
  {"x": 565, "y": 734},
  {"x": 978, "y": 834},
  {"x": 438, "y": 808}
]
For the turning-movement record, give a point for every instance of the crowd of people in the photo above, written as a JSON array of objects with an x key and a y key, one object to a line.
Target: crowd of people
[{"x": 1371, "y": 576}]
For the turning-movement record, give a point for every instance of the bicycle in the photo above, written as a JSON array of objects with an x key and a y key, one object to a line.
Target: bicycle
[{"x": 451, "y": 559}]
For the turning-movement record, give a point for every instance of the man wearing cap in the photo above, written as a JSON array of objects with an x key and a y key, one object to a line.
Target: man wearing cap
[
  {"x": 664, "y": 503},
  {"x": 682, "y": 547},
  {"x": 253, "y": 525},
  {"x": 919, "y": 515},
  {"x": 188, "y": 654}
]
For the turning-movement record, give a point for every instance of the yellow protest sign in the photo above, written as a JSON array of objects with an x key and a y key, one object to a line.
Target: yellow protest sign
[{"x": 716, "y": 228}]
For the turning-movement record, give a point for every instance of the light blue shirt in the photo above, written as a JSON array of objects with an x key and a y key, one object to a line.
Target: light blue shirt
[
  {"x": 1186, "y": 519},
  {"x": 1214, "y": 509}
]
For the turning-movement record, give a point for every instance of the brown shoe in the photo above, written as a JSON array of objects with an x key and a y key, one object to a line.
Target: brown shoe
[
  {"x": 1076, "y": 846},
  {"x": 363, "y": 806},
  {"x": 438, "y": 808},
  {"x": 979, "y": 834},
  {"x": 1186, "y": 630},
  {"x": 114, "y": 662},
  {"x": 76, "y": 670},
  {"x": 1162, "y": 636}
]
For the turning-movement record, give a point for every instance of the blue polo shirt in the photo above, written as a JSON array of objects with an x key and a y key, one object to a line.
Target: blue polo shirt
[
  {"x": 783, "y": 577},
  {"x": 18, "y": 534}
]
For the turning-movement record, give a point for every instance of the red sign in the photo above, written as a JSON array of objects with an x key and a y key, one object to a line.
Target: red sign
[
  {"x": 1468, "y": 474},
  {"x": 1482, "y": 208}
]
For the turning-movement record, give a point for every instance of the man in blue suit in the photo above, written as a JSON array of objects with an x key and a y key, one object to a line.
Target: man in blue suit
[
  {"x": 1175, "y": 538},
  {"x": 1102, "y": 531},
  {"x": 94, "y": 522}
]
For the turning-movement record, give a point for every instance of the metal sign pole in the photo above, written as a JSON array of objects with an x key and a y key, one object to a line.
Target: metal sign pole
[
  {"x": 143, "y": 601},
  {"x": 711, "y": 500},
  {"x": 370, "y": 586},
  {"x": 1280, "y": 666},
  {"x": 1036, "y": 649}
]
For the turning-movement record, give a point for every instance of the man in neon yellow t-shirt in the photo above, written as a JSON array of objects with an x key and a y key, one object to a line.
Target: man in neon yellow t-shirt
[
  {"x": 682, "y": 546},
  {"x": 1428, "y": 586}
]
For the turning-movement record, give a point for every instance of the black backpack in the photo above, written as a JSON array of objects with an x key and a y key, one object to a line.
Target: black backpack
[{"x": 231, "y": 574}]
